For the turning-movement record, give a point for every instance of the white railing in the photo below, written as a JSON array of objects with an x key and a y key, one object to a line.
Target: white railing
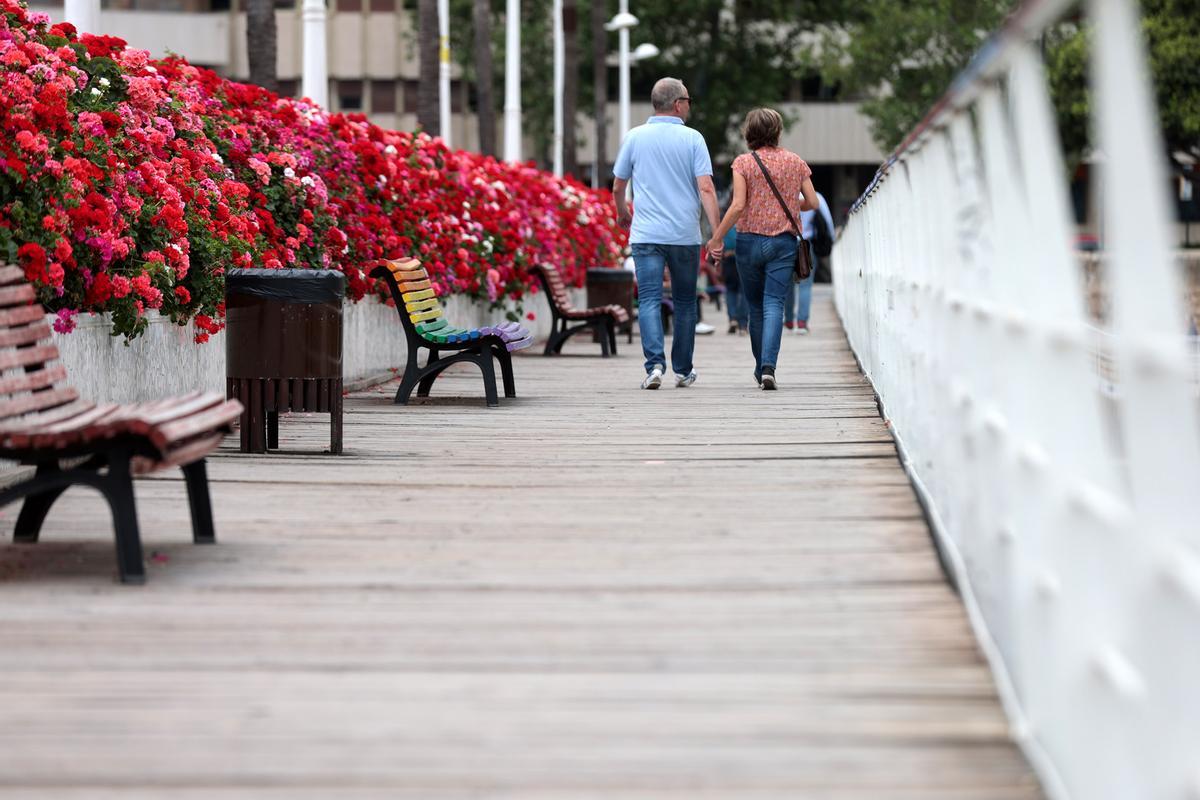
[{"x": 1069, "y": 515}]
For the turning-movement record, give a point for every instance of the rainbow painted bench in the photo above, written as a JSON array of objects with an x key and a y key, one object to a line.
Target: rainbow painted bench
[{"x": 426, "y": 327}]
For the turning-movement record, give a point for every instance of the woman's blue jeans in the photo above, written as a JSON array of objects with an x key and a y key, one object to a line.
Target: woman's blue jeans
[{"x": 764, "y": 265}]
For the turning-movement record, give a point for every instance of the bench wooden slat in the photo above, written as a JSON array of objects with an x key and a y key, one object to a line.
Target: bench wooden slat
[
  {"x": 10, "y": 273},
  {"x": 37, "y": 401},
  {"x": 220, "y": 416},
  {"x": 423, "y": 294},
  {"x": 410, "y": 277},
  {"x": 415, "y": 286},
  {"x": 422, "y": 305},
  {"x": 184, "y": 454},
  {"x": 25, "y": 334},
  {"x": 425, "y": 315},
  {"x": 31, "y": 381},
  {"x": 48, "y": 417},
  {"x": 19, "y": 295},
  {"x": 26, "y": 356},
  {"x": 80, "y": 428},
  {"x": 429, "y": 327},
  {"x": 21, "y": 315}
]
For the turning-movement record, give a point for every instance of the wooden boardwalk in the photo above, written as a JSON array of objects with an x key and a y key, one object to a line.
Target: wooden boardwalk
[{"x": 592, "y": 592}]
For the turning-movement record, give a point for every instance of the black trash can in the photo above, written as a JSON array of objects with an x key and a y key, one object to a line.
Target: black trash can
[
  {"x": 608, "y": 286},
  {"x": 283, "y": 349}
]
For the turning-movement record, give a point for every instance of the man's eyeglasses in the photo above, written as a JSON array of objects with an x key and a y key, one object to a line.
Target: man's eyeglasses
[{"x": 682, "y": 99}]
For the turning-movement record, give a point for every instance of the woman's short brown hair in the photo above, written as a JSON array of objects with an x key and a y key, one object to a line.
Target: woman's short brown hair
[{"x": 762, "y": 128}]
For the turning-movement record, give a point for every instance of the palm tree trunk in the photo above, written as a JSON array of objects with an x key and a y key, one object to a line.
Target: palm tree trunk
[
  {"x": 600, "y": 84},
  {"x": 260, "y": 43},
  {"x": 427, "y": 65},
  {"x": 570, "y": 83},
  {"x": 485, "y": 78}
]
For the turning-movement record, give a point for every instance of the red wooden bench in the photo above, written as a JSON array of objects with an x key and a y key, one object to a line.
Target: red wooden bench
[
  {"x": 603, "y": 321},
  {"x": 43, "y": 423}
]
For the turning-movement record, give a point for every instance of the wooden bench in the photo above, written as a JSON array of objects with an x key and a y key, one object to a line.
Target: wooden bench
[
  {"x": 603, "y": 320},
  {"x": 43, "y": 422},
  {"x": 425, "y": 327}
]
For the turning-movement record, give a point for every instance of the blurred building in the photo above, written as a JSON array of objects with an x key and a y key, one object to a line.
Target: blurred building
[{"x": 373, "y": 70}]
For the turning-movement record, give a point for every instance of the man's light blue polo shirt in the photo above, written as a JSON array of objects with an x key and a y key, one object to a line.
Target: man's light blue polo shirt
[{"x": 664, "y": 158}]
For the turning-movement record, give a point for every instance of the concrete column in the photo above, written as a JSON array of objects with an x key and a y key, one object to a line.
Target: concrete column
[
  {"x": 444, "y": 70},
  {"x": 512, "y": 81},
  {"x": 315, "y": 80},
  {"x": 83, "y": 14}
]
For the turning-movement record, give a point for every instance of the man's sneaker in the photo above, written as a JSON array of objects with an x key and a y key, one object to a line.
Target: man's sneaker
[
  {"x": 654, "y": 379},
  {"x": 768, "y": 378},
  {"x": 703, "y": 328},
  {"x": 682, "y": 382},
  {"x": 802, "y": 328}
]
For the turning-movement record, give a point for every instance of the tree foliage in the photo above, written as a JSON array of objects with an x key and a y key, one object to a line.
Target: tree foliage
[
  {"x": 1171, "y": 29},
  {"x": 902, "y": 55}
]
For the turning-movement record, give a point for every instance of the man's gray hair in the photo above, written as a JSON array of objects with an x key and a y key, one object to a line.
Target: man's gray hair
[{"x": 666, "y": 92}]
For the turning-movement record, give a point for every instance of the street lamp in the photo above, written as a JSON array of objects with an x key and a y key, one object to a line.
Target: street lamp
[{"x": 621, "y": 23}]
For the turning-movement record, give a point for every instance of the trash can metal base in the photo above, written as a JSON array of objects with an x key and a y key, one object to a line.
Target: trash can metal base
[{"x": 264, "y": 399}]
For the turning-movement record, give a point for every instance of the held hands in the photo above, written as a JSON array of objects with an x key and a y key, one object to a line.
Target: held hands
[
  {"x": 624, "y": 218},
  {"x": 716, "y": 249}
]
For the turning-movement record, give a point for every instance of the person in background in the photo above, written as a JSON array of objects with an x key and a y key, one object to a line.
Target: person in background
[
  {"x": 796, "y": 316},
  {"x": 671, "y": 172},
  {"x": 735, "y": 302},
  {"x": 767, "y": 231}
]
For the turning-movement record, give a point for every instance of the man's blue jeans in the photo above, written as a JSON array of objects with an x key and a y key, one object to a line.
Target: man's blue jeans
[
  {"x": 684, "y": 263},
  {"x": 804, "y": 288},
  {"x": 764, "y": 265}
]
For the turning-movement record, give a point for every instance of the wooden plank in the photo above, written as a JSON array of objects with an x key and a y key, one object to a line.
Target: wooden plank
[{"x": 712, "y": 593}]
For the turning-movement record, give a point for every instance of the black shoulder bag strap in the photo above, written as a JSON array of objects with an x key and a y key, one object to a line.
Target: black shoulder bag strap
[{"x": 778, "y": 196}]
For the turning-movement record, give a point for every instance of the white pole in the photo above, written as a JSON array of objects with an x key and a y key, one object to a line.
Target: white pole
[
  {"x": 83, "y": 14},
  {"x": 623, "y": 41},
  {"x": 444, "y": 70},
  {"x": 512, "y": 81},
  {"x": 315, "y": 82},
  {"x": 559, "y": 57}
]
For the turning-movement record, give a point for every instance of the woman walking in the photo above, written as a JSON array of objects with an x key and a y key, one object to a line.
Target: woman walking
[{"x": 767, "y": 231}]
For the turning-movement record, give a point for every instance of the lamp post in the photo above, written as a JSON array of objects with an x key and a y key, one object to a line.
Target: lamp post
[
  {"x": 444, "y": 70},
  {"x": 621, "y": 23},
  {"x": 315, "y": 82},
  {"x": 512, "y": 81}
]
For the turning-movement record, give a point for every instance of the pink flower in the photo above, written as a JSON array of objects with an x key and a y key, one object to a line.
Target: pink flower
[{"x": 64, "y": 320}]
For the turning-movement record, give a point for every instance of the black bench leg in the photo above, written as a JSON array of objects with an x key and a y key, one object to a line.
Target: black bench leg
[
  {"x": 409, "y": 381},
  {"x": 36, "y": 507},
  {"x": 196, "y": 477},
  {"x": 118, "y": 488},
  {"x": 272, "y": 430},
  {"x": 611, "y": 328},
  {"x": 489, "y": 377},
  {"x": 605, "y": 340},
  {"x": 426, "y": 383},
  {"x": 551, "y": 339},
  {"x": 506, "y": 370}
]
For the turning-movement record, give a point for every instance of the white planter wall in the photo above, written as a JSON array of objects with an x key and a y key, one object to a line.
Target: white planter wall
[{"x": 166, "y": 361}]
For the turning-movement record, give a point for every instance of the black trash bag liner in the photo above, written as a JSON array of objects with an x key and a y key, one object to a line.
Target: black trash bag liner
[{"x": 288, "y": 285}]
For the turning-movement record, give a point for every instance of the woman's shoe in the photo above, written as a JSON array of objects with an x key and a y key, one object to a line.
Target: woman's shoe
[{"x": 733, "y": 328}]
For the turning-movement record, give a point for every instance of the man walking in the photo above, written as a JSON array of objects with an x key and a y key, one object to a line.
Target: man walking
[{"x": 672, "y": 178}]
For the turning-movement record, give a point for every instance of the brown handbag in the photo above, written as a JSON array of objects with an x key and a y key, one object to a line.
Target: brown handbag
[{"x": 803, "y": 266}]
